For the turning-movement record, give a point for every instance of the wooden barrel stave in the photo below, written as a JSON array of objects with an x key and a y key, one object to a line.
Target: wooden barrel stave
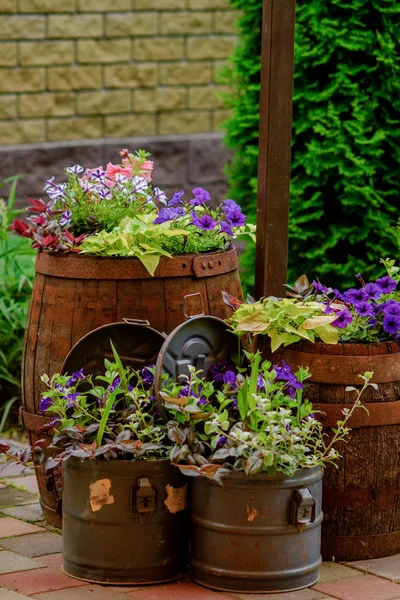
[
  {"x": 361, "y": 500},
  {"x": 64, "y": 309}
]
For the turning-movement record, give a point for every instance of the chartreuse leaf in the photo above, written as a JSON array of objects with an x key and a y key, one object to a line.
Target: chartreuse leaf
[
  {"x": 105, "y": 416},
  {"x": 119, "y": 367},
  {"x": 328, "y": 334}
]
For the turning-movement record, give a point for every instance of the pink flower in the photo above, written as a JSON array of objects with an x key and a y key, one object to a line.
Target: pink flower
[
  {"x": 145, "y": 169},
  {"x": 112, "y": 170}
]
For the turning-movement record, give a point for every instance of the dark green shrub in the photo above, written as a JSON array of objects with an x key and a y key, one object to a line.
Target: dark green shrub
[{"x": 346, "y": 133}]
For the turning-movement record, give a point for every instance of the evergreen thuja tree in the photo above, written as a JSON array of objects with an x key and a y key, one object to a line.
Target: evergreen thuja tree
[{"x": 345, "y": 190}]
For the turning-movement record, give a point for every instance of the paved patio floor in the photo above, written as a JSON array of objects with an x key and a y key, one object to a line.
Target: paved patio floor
[{"x": 30, "y": 563}]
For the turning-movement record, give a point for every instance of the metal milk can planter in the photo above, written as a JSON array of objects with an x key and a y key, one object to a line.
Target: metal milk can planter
[
  {"x": 258, "y": 534},
  {"x": 124, "y": 522}
]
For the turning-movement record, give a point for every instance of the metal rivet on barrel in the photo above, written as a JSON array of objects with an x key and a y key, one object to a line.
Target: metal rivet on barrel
[
  {"x": 332, "y": 369},
  {"x": 204, "y": 265}
]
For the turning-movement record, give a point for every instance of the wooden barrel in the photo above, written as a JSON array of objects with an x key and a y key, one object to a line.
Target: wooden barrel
[
  {"x": 361, "y": 498},
  {"x": 74, "y": 294}
]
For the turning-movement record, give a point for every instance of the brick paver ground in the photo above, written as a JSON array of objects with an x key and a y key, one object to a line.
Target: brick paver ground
[{"x": 30, "y": 564}]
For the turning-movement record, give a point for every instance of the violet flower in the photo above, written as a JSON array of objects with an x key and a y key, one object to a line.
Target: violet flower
[
  {"x": 344, "y": 318},
  {"x": 221, "y": 442},
  {"x": 176, "y": 198},
  {"x": 352, "y": 296},
  {"x": 206, "y": 222},
  {"x": 168, "y": 214},
  {"x": 386, "y": 284},
  {"x": 391, "y": 324},
  {"x": 364, "y": 309},
  {"x": 230, "y": 378},
  {"x": 200, "y": 197},
  {"x": 66, "y": 218},
  {"x": 45, "y": 404},
  {"x": 226, "y": 228},
  {"x": 147, "y": 376},
  {"x": 235, "y": 217},
  {"x": 229, "y": 205},
  {"x": 392, "y": 308},
  {"x": 75, "y": 170},
  {"x": 373, "y": 291}
]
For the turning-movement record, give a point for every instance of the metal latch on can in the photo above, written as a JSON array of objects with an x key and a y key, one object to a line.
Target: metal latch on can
[
  {"x": 303, "y": 508},
  {"x": 145, "y": 498}
]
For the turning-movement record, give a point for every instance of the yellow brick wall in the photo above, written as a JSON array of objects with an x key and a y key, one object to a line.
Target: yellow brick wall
[{"x": 87, "y": 69}]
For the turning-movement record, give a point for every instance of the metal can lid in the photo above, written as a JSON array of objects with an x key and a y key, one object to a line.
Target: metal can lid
[
  {"x": 200, "y": 342},
  {"x": 137, "y": 344}
]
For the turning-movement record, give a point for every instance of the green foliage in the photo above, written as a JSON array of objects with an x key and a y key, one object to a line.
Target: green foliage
[
  {"x": 285, "y": 321},
  {"x": 16, "y": 277},
  {"x": 346, "y": 133}
]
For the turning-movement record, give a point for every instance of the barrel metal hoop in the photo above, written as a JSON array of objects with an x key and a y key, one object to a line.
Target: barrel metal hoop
[
  {"x": 360, "y": 547},
  {"x": 239, "y": 530},
  {"x": 344, "y": 370},
  {"x": 79, "y": 266},
  {"x": 33, "y": 422},
  {"x": 379, "y": 414}
]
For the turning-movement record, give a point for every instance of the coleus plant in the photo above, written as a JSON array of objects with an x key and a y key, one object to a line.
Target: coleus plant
[
  {"x": 368, "y": 313},
  {"x": 110, "y": 417},
  {"x": 95, "y": 209},
  {"x": 254, "y": 421}
]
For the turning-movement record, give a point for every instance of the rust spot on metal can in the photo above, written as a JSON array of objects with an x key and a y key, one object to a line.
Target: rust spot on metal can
[
  {"x": 176, "y": 498},
  {"x": 100, "y": 494},
  {"x": 252, "y": 514}
]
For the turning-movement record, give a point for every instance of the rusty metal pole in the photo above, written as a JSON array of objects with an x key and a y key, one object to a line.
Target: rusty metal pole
[{"x": 274, "y": 146}]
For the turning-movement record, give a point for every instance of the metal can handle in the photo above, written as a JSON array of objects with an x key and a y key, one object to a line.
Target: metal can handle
[
  {"x": 303, "y": 508},
  {"x": 185, "y": 298},
  {"x": 141, "y": 322}
]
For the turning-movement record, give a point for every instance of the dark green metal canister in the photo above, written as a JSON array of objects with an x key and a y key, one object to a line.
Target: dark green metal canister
[
  {"x": 258, "y": 534},
  {"x": 124, "y": 522}
]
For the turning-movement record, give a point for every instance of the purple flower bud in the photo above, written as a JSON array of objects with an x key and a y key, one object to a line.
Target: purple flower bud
[
  {"x": 221, "y": 442},
  {"x": 230, "y": 378}
]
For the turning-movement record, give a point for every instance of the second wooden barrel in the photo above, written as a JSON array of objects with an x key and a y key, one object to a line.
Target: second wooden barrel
[
  {"x": 74, "y": 294},
  {"x": 361, "y": 498}
]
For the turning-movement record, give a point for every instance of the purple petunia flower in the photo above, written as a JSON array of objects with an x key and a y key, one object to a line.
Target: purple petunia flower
[
  {"x": 147, "y": 376},
  {"x": 160, "y": 196},
  {"x": 261, "y": 384},
  {"x": 386, "y": 284},
  {"x": 206, "y": 222},
  {"x": 235, "y": 217},
  {"x": 230, "y": 378},
  {"x": 364, "y": 309},
  {"x": 283, "y": 371},
  {"x": 176, "y": 198},
  {"x": 66, "y": 218},
  {"x": 218, "y": 370},
  {"x": 226, "y": 228},
  {"x": 104, "y": 193},
  {"x": 74, "y": 379},
  {"x": 221, "y": 442},
  {"x": 229, "y": 205},
  {"x": 373, "y": 291},
  {"x": 319, "y": 287},
  {"x": 45, "y": 404},
  {"x": 391, "y": 324},
  {"x": 338, "y": 294},
  {"x": 352, "y": 296},
  {"x": 75, "y": 170},
  {"x": 392, "y": 308},
  {"x": 139, "y": 185},
  {"x": 344, "y": 318},
  {"x": 200, "y": 197},
  {"x": 168, "y": 214}
]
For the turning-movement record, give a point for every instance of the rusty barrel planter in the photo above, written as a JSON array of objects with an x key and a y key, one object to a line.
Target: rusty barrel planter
[
  {"x": 124, "y": 522},
  {"x": 361, "y": 499},
  {"x": 74, "y": 294},
  {"x": 258, "y": 534}
]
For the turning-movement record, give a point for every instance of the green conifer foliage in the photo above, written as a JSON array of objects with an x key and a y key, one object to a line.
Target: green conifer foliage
[{"x": 345, "y": 190}]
